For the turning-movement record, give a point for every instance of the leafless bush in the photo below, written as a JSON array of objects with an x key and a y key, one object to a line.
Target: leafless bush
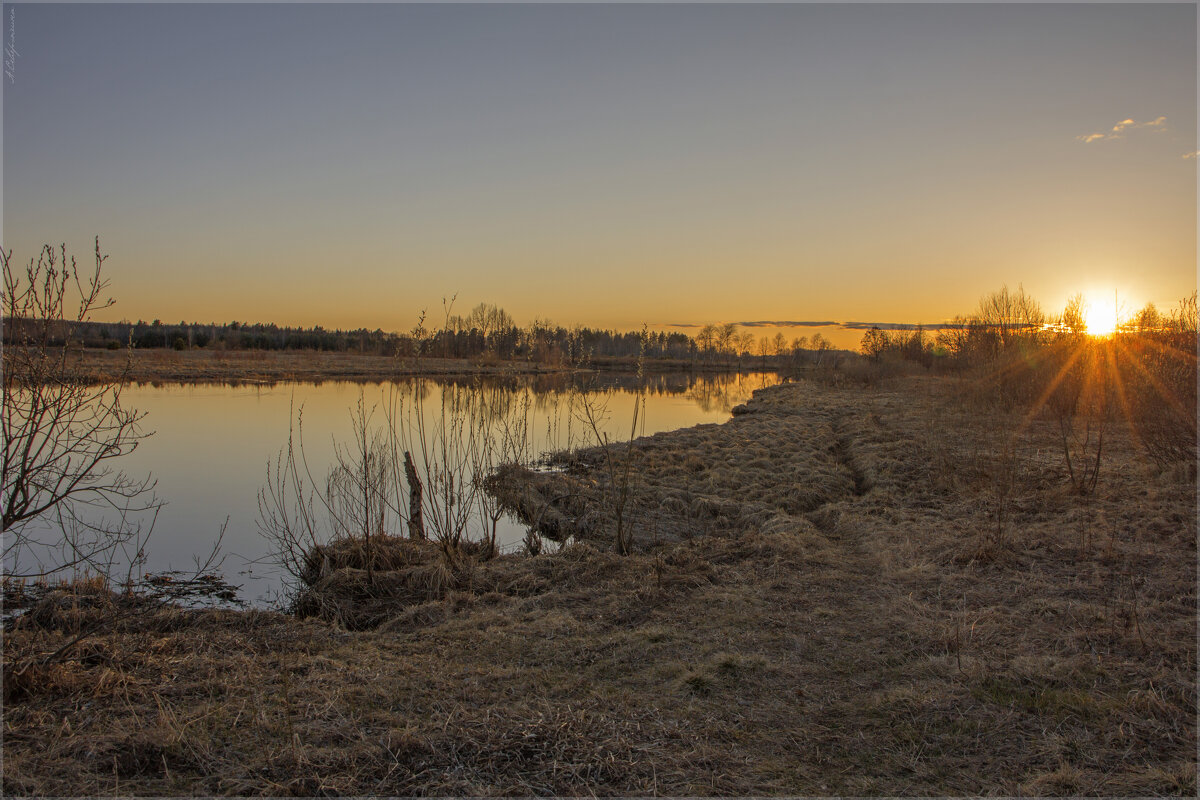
[
  {"x": 66, "y": 505},
  {"x": 357, "y": 500},
  {"x": 1079, "y": 379},
  {"x": 1160, "y": 381},
  {"x": 510, "y": 442},
  {"x": 592, "y": 410},
  {"x": 449, "y": 449},
  {"x": 359, "y": 485},
  {"x": 451, "y": 444},
  {"x": 423, "y": 465},
  {"x": 288, "y": 515}
]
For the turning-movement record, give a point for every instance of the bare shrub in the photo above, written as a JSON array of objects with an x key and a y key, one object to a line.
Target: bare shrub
[
  {"x": 1078, "y": 376},
  {"x": 66, "y": 505},
  {"x": 423, "y": 466},
  {"x": 359, "y": 485},
  {"x": 593, "y": 412},
  {"x": 287, "y": 505},
  {"x": 453, "y": 448},
  {"x": 1160, "y": 384},
  {"x": 1012, "y": 318}
]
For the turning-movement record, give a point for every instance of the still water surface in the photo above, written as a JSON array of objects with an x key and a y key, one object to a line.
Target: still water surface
[{"x": 211, "y": 445}]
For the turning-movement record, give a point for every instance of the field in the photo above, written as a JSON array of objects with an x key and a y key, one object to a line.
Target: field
[
  {"x": 842, "y": 590},
  {"x": 261, "y": 366}
]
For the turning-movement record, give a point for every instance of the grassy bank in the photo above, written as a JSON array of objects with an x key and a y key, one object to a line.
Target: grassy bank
[
  {"x": 850, "y": 591},
  {"x": 262, "y": 366}
]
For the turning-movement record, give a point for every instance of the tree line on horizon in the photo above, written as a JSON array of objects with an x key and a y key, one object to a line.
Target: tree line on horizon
[{"x": 486, "y": 332}]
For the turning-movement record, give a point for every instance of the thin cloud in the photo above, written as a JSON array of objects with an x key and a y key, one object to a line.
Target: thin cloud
[
  {"x": 763, "y": 323},
  {"x": 849, "y": 326},
  {"x": 846, "y": 326},
  {"x": 787, "y": 323},
  {"x": 1118, "y": 130},
  {"x": 898, "y": 326}
]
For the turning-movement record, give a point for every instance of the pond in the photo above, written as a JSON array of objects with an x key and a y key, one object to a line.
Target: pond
[{"x": 212, "y": 443}]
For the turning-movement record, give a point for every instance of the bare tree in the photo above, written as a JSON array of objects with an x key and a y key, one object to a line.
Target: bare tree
[
  {"x": 1011, "y": 315},
  {"x": 65, "y": 503},
  {"x": 779, "y": 344},
  {"x": 1147, "y": 320},
  {"x": 745, "y": 343},
  {"x": 822, "y": 346},
  {"x": 726, "y": 337},
  {"x": 706, "y": 339},
  {"x": 874, "y": 343},
  {"x": 490, "y": 320},
  {"x": 1072, "y": 319},
  {"x": 764, "y": 349}
]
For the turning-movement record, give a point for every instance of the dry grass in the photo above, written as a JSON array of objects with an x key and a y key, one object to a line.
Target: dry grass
[
  {"x": 259, "y": 366},
  {"x": 815, "y": 608},
  {"x": 157, "y": 366},
  {"x": 788, "y": 454}
]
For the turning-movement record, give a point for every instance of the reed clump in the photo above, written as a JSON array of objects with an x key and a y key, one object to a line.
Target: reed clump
[{"x": 358, "y": 587}]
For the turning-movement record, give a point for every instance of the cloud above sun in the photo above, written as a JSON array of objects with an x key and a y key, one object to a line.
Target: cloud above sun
[{"x": 1118, "y": 130}]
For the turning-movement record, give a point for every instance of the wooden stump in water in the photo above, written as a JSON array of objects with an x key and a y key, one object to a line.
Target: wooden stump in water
[{"x": 416, "y": 523}]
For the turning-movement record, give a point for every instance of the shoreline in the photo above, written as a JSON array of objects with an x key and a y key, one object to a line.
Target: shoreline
[{"x": 258, "y": 366}]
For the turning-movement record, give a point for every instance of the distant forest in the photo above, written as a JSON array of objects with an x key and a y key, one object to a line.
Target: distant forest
[{"x": 486, "y": 332}]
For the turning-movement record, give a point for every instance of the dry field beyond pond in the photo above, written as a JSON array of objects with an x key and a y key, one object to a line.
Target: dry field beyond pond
[
  {"x": 158, "y": 366},
  {"x": 261, "y": 366},
  {"x": 839, "y": 591}
]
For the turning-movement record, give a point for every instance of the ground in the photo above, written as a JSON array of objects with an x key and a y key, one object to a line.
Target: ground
[{"x": 845, "y": 590}]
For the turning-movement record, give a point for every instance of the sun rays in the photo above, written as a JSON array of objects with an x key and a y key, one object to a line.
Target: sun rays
[{"x": 1114, "y": 375}]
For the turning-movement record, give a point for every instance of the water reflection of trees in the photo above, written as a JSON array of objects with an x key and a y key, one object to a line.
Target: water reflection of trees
[
  {"x": 707, "y": 389},
  {"x": 546, "y": 400},
  {"x": 723, "y": 392}
]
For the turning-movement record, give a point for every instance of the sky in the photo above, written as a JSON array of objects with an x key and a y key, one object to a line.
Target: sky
[{"x": 604, "y": 165}]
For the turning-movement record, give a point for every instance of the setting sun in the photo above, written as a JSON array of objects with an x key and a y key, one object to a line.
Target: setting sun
[{"x": 1101, "y": 318}]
